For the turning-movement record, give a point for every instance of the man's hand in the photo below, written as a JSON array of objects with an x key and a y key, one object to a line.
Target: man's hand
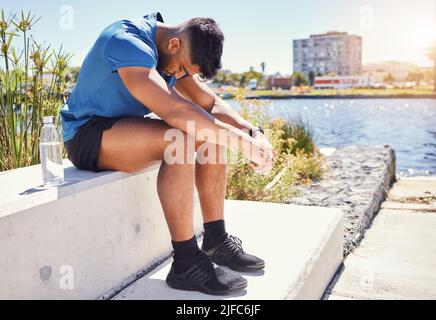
[
  {"x": 257, "y": 149},
  {"x": 266, "y": 152}
]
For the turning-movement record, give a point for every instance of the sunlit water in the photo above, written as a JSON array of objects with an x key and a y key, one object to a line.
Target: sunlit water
[{"x": 408, "y": 126}]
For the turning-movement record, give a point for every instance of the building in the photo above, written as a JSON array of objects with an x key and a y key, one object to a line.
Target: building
[
  {"x": 344, "y": 82},
  {"x": 280, "y": 82},
  {"x": 332, "y": 52},
  {"x": 399, "y": 70}
]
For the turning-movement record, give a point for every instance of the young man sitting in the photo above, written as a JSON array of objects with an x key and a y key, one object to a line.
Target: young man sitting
[{"x": 146, "y": 66}]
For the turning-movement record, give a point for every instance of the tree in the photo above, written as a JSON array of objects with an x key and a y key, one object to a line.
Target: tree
[
  {"x": 247, "y": 76},
  {"x": 263, "y": 66},
  {"x": 268, "y": 83},
  {"x": 415, "y": 76},
  {"x": 221, "y": 77},
  {"x": 389, "y": 78},
  {"x": 235, "y": 79},
  {"x": 299, "y": 79},
  {"x": 431, "y": 55},
  {"x": 311, "y": 78}
]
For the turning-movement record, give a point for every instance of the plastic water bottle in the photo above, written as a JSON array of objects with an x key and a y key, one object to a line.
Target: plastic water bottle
[{"x": 50, "y": 149}]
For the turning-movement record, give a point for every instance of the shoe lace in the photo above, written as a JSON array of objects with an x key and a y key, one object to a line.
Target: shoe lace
[{"x": 232, "y": 244}]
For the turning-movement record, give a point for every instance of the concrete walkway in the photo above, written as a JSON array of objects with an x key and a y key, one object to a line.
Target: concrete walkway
[{"x": 397, "y": 258}]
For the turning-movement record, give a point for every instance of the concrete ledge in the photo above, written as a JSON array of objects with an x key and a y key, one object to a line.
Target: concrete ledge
[
  {"x": 357, "y": 180},
  {"x": 97, "y": 234},
  {"x": 22, "y": 188},
  {"x": 81, "y": 239},
  {"x": 302, "y": 247}
]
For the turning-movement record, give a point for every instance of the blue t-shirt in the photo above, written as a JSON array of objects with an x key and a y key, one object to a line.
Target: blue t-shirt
[{"x": 99, "y": 90}]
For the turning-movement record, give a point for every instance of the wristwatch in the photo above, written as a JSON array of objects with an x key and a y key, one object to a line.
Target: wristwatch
[{"x": 255, "y": 129}]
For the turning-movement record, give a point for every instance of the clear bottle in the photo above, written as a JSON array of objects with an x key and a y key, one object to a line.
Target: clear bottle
[{"x": 50, "y": 149}]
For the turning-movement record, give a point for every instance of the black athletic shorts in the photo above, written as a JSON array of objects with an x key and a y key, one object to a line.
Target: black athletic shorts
[{"x": 84, "y": 148}]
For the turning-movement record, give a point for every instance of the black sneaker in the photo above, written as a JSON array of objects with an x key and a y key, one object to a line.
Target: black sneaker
[
  {"x": 229, "y": 253},
  {"x": 203, "y": 276}
]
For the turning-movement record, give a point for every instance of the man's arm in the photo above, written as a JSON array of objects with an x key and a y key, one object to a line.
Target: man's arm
[
  {"x": 199, "y": 93},
  {"x": 148, "y": 87}
]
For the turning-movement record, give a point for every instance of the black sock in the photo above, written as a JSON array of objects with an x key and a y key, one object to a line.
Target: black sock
[
  {"x": 215, "y": 228},
  {"x": 184, "y": 253},
  {"x": 214, "y": 234}
]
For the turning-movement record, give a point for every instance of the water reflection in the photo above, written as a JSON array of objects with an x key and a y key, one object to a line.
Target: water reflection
[{"x": 406, "y": 125}]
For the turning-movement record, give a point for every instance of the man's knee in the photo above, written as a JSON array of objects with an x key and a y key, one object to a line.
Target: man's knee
[
  {"x": 211, "y": 153},
  {"x": 184, "y": 148},
  {"x": 180, "y": 148}
]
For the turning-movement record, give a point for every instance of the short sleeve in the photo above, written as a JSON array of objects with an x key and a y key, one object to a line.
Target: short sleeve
[{"x": 129, "y": 50}]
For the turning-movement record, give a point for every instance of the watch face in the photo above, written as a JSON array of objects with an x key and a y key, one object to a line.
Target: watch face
[{"x": 252, "y": 131}]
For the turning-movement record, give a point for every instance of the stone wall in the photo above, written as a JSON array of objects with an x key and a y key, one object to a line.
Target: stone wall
[{"x": 357, "y": 180}]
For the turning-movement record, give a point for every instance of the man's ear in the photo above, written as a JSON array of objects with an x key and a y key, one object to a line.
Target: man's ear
[{"x": 174, "y": 45}]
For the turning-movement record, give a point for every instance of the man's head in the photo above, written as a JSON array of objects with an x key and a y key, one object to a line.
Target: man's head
[{"x": 195, "y": 46}]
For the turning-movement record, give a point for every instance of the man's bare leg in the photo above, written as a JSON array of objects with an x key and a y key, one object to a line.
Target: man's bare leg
[
  {"x": 221, "y": 248},
  {"x": 211, "y": 182},
  {"x": 175, "y": 186},
  {"x": 131, "y": 145}
]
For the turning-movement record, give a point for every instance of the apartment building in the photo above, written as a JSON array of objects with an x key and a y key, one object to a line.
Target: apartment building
[{"x": 336, "y": 52}]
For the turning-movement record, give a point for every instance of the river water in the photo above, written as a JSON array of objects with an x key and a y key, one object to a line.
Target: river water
[{"x": 407, "y": 125}]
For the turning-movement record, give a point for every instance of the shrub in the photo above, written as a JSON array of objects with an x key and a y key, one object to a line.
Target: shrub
[
  {"x": 296, "y": 163},
  {"x": 301, "y": 133}
]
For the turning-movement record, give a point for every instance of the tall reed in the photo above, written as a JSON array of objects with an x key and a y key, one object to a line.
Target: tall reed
[{"x": 32, "y": 85}]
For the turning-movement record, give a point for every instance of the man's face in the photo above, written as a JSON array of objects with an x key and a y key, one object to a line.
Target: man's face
[{"x": 175, "y": 61}]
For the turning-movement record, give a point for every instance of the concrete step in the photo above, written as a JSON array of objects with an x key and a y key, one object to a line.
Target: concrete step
[{"x": 302, "y": 247}]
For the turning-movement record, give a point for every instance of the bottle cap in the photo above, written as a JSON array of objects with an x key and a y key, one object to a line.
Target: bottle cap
[{"x": 48, "y": 120}]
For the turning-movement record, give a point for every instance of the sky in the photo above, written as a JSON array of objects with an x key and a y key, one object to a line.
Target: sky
[{"x": 255, "y": 31}]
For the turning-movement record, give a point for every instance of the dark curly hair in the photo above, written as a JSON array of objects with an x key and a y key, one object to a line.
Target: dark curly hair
[{"x": 206, "y": 43}]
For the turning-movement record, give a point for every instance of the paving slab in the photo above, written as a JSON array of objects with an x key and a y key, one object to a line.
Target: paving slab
[
  {"x": 397, "y": 258},
  {"x": 414, "y": 187}
]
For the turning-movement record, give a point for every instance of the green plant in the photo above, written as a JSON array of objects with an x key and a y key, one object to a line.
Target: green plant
[
  {"x": 26, "y": 94},
  {"x": 289, "y": 169},
  {"x": 301, "y": 133},
  {"x": 299, "y": 79}
]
